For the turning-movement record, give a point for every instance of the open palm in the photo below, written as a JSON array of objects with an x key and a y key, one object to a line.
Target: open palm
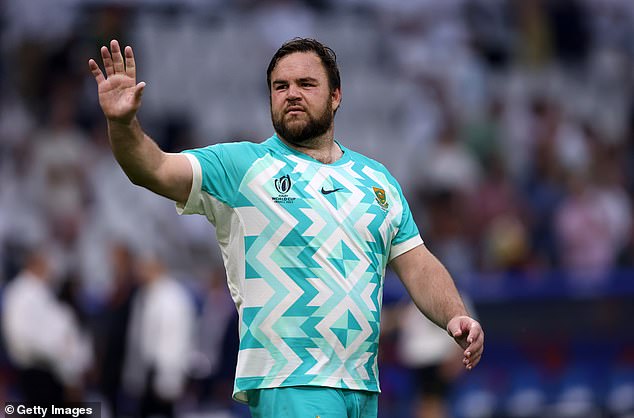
[{"x": 119, "y": 93}]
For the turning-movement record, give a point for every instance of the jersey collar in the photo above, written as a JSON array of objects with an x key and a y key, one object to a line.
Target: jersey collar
[{"x": 277, "y": 142}]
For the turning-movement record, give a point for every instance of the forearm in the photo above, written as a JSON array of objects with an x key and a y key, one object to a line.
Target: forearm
[
  {"x": 430, "y": 286},
  {"x": 432, "y": 289},
  {"x": 435, "y": 294},
  {"x": 144, "y": 163},
  {"x": 137, "y": 154}
]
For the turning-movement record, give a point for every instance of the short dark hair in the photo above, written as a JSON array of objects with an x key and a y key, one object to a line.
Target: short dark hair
[{"x": 326, "y": 55}]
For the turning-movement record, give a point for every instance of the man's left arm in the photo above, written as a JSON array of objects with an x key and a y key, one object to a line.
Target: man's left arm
[{"x": 432, "y": 289}]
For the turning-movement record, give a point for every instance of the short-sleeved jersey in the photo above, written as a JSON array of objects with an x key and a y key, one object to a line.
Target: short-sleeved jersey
[{"x": 305, "y": 246}]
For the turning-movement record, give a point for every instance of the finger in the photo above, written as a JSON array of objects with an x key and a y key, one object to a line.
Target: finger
[
  {"x": 474, "y": 332},
  {"x": 117, "y": 58},
  {"x": 475, "y": 346},
  {"x": 130, "y": 66},
  {"x": 96, "y": 71},
  {"x": 454, "y": 329},
  {"x": 470, "y": 363},
  {"x": 138, "y": 91},
  {"x": 473, "y": 353},
  {"x": 474, "y": 363},
  {"x": 457, "y": 334},
  {"x": 107, "y": 61},
  {"x": 470, "y": 366}
]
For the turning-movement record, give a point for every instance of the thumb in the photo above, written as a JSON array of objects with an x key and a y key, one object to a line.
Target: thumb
[
  {"x": 457, "y": 326},
  {"x": 455, "y": 332},
  {"x": 454, "y": 329},
  {"x": 138, "y": 90}
]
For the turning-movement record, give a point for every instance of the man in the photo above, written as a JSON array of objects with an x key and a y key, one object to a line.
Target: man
[
  {"x": 306, "y": 227},
  {"x": 44, "y": 340},
  {"x": 159, "y": 339}
]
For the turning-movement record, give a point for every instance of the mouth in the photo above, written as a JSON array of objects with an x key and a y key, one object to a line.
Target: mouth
[{"x": 293, "y": 110}]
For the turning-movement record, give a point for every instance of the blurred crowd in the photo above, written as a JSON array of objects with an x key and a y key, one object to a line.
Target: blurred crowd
[{"x": 510, "y": 125}]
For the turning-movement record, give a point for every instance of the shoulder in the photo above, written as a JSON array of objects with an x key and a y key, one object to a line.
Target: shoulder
[
  {"x": 233, "y": 158},
  {"x": 230, "y": 148},
  {"x": 23, "y": 283}
]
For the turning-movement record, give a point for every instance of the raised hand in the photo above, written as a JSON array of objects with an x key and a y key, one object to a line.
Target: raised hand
[
  {"x": 469, "y": 335},
  {"x": 119, "y": 93}
]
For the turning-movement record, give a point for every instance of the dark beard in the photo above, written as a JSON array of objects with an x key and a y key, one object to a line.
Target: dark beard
[{"x": 300, "y": 135}]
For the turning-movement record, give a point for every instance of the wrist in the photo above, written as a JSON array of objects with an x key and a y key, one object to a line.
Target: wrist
[
  {"x": 121, "y": 123},
  {"x": 124, "y": 133}
]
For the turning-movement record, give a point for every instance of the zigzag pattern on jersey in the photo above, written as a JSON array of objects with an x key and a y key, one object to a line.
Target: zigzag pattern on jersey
[{"x": 314, "y": 292}]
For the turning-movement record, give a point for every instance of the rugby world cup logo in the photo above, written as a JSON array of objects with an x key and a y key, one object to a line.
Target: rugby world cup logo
[{"x": 283, "y": 184}]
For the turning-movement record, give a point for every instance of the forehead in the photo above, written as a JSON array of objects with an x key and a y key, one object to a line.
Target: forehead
[{"x": 299, "y": 65}]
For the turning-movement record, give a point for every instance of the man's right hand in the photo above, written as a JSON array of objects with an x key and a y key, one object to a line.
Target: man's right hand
[
  {"x": 144, "y": 163},
  {"x": 119, "y": 93}
]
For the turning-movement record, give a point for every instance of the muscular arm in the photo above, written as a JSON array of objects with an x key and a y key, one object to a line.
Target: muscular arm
[
  {"x": 144, "y": 163},
  {"x": 169, "y": 175},
  {"x": 433, "y": 291}
]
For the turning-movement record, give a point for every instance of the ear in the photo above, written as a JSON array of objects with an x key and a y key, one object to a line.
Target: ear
[{"x": 336, "y": 98}]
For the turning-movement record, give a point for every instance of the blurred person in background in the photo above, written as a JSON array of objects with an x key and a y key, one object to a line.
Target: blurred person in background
[
  {"x": 159, "y": 340},
  {"x": 497, "y": 215},
  {"x": 71, "y": 295},
  {"x": 449, "y": 165},
  {"x": 216, "y": 341},
  {"x": 433, "y": 358},
  {"x": 114, "y": 320},
  {"x": 293, "y": 238},
  {"x": 58, "y": 177},
  {"x": 43, "y": 337},
  {"x": 586, "y": 238}
]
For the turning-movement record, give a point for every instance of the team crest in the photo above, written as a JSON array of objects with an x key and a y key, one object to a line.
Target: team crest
[{"x": 381, "y": 199}]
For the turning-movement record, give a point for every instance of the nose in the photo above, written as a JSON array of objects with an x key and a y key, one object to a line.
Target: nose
[{"x": 292, "y": 93}]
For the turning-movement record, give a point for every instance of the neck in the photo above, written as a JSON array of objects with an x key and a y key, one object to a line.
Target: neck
[{"x": 322, "y": 148}]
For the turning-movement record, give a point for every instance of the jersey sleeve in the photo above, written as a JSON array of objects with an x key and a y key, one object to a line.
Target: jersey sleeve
[
  {"x": 407, "y": 236},
  {"x": 216, "y": 174}
]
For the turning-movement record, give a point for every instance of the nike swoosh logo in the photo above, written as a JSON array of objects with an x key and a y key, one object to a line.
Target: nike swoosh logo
[{"x": 329, "y": 191}]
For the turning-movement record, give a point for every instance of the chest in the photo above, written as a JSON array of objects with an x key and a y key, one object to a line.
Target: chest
[{"x": 317, "y": 201}]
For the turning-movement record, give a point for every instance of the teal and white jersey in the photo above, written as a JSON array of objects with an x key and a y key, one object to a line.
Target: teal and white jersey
[{"x": 305, "y": 246}]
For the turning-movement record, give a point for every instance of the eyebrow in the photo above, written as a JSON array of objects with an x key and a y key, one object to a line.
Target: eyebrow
[{"x": 301, "y": 80}]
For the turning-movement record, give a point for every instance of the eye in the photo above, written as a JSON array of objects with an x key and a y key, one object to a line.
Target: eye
[{"x": 279, "y": 87}]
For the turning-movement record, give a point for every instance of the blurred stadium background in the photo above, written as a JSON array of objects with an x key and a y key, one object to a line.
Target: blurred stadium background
[{"x": 510, "y": 125}]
